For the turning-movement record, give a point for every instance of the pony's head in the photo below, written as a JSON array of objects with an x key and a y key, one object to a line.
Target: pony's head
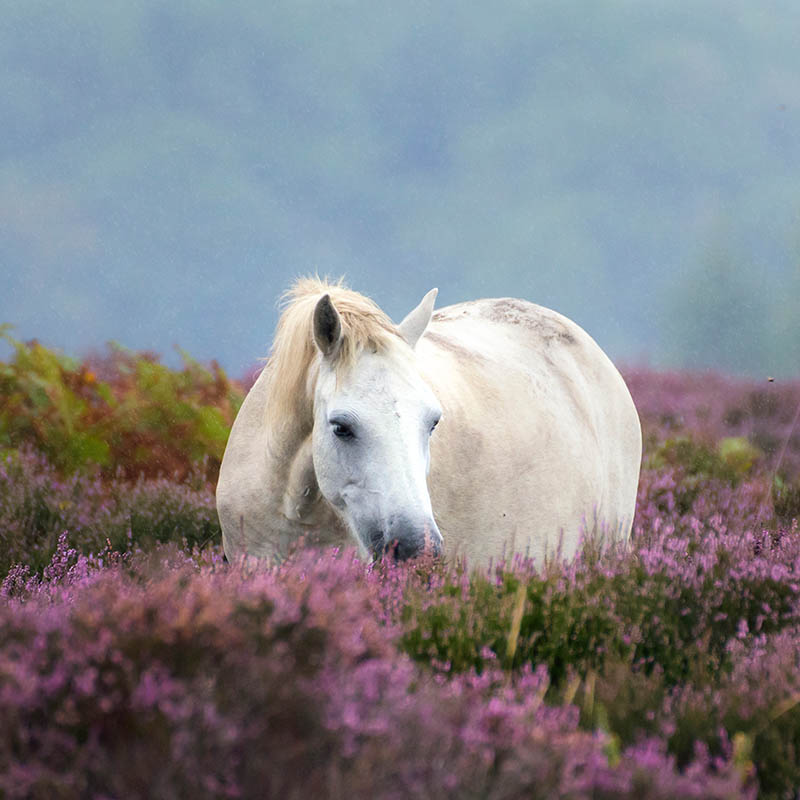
[{"x": 347, "y": 401}]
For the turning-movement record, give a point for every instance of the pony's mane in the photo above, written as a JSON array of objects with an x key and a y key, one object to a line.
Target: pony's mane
[{"x": 293, "y": 359}]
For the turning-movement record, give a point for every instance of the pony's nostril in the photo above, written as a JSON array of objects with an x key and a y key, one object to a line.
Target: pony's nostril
[
  {"x": 412, "y": 540},
  {"x": 404, "y": 549}
]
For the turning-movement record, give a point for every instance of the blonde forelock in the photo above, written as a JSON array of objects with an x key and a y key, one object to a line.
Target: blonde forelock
[{"x": 293, "y": 362}]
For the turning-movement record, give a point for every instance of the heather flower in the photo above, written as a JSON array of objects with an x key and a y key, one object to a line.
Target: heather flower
[{"x": 135, "y": 663}]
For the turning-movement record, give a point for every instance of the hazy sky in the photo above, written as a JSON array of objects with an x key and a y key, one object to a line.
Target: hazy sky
[{"x": 167, "y": 169}]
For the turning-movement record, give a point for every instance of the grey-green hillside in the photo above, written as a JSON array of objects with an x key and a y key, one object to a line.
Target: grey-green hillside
[{"x": 166, "y": 169}]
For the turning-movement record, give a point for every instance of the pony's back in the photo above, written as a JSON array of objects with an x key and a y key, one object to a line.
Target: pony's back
[{"x": 540, "y": 441}]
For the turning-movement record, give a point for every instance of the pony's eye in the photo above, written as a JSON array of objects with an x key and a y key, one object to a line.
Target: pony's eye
[
  {"x": 433, "y": 425},
  {"x": 342, "y": 431}
]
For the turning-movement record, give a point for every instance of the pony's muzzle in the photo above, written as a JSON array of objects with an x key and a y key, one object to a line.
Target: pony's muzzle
[{"x": 403, "y": 539}]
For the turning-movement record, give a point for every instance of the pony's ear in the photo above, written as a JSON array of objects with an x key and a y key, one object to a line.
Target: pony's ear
[
  {"x": 414, "y": 325},
  {"x": 327, "y": 327}
]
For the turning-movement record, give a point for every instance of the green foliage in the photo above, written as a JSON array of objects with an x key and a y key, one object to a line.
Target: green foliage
[
  {"x": 729, "y": 461},
  {"x": 786, "y": 499},
  {"x": 698, "y": 463},
  {"x": 775, "y": 745},
  {"x": 124, "y": 412},
  {"x": 599, "y": 616},
  {"x": 738, "y": 454}
]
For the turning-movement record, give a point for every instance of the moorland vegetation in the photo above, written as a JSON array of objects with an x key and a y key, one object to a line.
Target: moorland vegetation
[{"x": 134, "y": 662}]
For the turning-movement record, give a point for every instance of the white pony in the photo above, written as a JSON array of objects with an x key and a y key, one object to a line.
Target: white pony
[{"x": 537, "y": 438}]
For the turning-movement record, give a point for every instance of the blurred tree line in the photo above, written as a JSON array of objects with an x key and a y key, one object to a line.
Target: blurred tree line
[{"x": 165, "y": 169}]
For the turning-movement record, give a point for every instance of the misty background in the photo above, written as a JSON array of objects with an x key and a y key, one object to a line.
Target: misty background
[{"x": 167, "y": 168}]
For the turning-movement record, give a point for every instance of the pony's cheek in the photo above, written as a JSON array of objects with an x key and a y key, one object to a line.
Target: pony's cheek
[
  {"x": 351, "y": 493},
  {"x": 333, "y": 482},
  {"x": 325, "y": 475}
]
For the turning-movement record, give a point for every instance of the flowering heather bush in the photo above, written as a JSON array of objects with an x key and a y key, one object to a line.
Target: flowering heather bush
[
  {"x": 666, "y": 669},
  {"x": 674, "y": 605},
  {"x": 201, "y": 681},
  {"x": 629, "y": 632},
  {"x": 712, "y": 425},
  {"x": 37, "y": 505}
]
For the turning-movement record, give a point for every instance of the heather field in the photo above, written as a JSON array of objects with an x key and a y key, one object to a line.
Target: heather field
[{"x": 135, "y": 663}]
